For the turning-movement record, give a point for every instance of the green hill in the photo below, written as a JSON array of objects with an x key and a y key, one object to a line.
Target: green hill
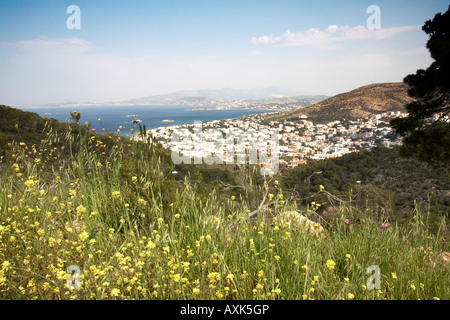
[
  {"x": 379, "y": 178},
  {"x": 19, "y": 125}
]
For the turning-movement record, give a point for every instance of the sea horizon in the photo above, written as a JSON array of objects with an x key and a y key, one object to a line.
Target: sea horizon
[{"x": 113, "y": 118}]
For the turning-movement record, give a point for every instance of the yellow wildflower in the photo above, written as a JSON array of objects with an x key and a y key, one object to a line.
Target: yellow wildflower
[
  {"x": 115, "y": 292},
  {"x": 83, "y": 236},
  {"x": 29, "y": 183},
  {"x": 276, "y": 291},
  {"x": 5, "y": 265},
  {"x": 331, "y": 264},
  {"x": 115, "y": 194},
  {"x": 81, "y": 209}
]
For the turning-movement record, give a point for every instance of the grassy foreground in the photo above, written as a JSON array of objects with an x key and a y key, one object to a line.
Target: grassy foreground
[{"x": 87, "y": 216}]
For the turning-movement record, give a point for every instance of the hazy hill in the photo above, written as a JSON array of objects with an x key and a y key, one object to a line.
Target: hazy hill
[
  {"x": 224, "y": 97},
  {"x": 359, "y": 103},
  {"x": 228, "y": 97},
  {"x": 228, "y": 93}
]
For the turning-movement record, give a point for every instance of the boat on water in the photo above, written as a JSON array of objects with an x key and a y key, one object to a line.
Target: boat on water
[
  {"x": 167, "y": 121},
  {"x": 132, "y": 116}
]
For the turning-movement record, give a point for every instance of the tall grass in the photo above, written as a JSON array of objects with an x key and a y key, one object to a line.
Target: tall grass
[{"x": 111, "y": 207}]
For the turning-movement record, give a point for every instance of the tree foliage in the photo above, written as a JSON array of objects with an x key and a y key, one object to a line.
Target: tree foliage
[{"x": 426, "y": 129}]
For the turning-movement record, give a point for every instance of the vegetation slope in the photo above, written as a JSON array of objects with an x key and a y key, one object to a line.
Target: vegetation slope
[{"x": 90, "y": 216}]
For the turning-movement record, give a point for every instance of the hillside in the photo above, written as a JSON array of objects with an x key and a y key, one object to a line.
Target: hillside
[
  {"x": 385, "y": 180},
  {"x": 112, "y": 210},
  {"x": 19, "y": 125},
  {"x": 359, "y": 103}
]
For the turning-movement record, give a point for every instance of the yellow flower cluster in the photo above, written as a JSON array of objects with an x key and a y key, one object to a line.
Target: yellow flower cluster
[{"x": 331, "y": 264}]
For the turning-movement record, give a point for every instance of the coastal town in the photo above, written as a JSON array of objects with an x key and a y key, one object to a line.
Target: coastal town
[{"x": 296, "y": 141}]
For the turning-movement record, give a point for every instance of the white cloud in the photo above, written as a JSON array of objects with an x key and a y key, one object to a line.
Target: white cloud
[
  {"x": 265, "y": 39},
  {"x": 332, "y": 34},
  {"x": 332, "y": 28}
]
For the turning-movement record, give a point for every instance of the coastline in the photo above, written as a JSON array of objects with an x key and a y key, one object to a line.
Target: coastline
[{"x": 105, "y": 120}]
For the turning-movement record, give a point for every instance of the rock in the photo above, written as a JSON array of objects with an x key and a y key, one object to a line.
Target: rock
[
  {"x": 445, "y": 257},
  {"x": 298, "y": 221}
]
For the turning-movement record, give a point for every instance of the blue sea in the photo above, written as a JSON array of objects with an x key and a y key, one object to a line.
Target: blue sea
[{"x": 152, "y": 116}]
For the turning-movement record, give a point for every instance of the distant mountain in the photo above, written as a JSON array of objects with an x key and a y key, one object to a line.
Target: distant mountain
[
  {"x": 228, "y": 93},
  {"x": 225, "y": 97},
  {"x": 359, "y": 103},
  {"x": 232, "y": 98}
]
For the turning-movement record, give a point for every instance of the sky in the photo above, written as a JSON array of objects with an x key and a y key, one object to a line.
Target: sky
[{"x": 116, "y": 50}]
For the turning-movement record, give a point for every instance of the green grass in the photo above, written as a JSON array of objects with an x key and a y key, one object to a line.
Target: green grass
[{"x": 112, "y": 207}]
